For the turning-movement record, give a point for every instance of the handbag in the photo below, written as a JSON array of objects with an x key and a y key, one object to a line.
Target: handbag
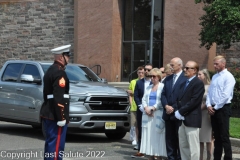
[{"x": 160, "y": 123}]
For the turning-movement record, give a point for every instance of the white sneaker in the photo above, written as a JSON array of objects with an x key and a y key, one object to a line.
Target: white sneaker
[
  {"x": 134, "y": 142},
  {"x": 135, "y": 147}
]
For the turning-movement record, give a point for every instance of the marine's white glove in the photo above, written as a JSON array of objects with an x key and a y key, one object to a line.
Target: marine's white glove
[
  {"x": 179, "y": 116},
  {"x": 61, "y": 123}
]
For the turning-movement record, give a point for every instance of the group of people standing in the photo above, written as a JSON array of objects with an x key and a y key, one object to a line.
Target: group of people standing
[{"x": 177, "y": 115}]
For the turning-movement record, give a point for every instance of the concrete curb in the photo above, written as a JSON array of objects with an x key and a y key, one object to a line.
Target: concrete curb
[{"x": 235, "y": 142}]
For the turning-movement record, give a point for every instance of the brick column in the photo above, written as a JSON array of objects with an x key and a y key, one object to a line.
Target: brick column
[
  {"x": 98, "y": 35},
  {"x": 181, "y": 32}
]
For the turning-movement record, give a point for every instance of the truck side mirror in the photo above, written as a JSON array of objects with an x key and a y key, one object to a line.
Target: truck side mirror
[
  {"x": 104, "y": 80},
  {"x": 29, "y": 78}
]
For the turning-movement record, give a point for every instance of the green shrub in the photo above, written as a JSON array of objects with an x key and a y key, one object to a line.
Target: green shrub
[
  {"x": 236, "y": 94},
  {"x": 211, "y": 73}
]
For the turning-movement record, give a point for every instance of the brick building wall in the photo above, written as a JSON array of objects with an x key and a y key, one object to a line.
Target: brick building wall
[{"x": 30, "y": 29}]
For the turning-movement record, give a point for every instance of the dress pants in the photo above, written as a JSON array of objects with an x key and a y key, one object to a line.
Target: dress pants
[
  {"x": 55, "y": 140},
  {"x": 220, "y": 126},
  {"x": 171, "y": 134},
  {"x": 139, "y": 125},
  {"x": 189, "y": 142}
]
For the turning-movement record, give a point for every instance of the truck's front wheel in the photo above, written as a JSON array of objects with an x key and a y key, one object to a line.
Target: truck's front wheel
[
  {"x": 43, "y": 131},
  {"x": 115, "y": 135}
]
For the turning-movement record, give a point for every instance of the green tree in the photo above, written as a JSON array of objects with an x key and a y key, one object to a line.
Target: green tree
[{"x": 220, "y": 23}]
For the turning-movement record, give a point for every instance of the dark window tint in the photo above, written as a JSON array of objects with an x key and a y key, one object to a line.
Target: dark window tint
[
  {"x": 32, "y": 70},
  {"x": 142, "y": 19},
  {"x": 128, "y": 18},
  {"x": 45, "y": 68},
  {"x": 76, "y": 73},
  {"x": 90, "y": 74},
  {"x": 12, "y": 72}
]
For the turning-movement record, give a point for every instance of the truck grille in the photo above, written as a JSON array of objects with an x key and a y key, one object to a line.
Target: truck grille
[{"x": 108, "y": 103}]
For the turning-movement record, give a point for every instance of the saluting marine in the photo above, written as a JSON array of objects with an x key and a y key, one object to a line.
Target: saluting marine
[{"x": 55, "y": 110}]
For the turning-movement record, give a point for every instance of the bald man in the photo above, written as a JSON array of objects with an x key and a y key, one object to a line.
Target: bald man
[{"x": 170, "y": 92}]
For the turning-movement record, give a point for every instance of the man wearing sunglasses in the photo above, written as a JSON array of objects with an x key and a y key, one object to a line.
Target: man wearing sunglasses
[
  {"x": 55, "y": 109},
  {"x": 138, "y": 95},
  {"x": 170, "y": 92},
  {"x": 188, "y": 111}
]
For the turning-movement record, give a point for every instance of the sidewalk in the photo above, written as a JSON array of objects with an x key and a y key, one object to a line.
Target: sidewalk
[
  {"x": 235, "y": 148},
  {"x": 235, "y": 142}
]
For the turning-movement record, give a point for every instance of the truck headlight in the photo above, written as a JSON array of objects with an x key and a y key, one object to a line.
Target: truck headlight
[{"x": 77, "y": 98}]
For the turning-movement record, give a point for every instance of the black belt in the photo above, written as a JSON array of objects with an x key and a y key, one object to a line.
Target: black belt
[{"x": 223, "y": 105}]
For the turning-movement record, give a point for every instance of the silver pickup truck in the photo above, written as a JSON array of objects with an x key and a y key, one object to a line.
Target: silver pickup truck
[{"x": 95, "y": 107}]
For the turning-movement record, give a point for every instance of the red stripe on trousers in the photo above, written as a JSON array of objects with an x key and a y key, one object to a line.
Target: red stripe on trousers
[{"x": 58, "y": 141}]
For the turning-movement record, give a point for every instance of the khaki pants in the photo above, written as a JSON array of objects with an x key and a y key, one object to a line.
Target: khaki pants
[
  {"x": 134, "y": 118},
  {"x": 189, "y": 142}
]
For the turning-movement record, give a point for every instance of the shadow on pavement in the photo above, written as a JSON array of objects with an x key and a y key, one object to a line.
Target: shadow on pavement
[
  {"x": 20, "y": 130},
  {"x": 27, "y": 131},
  {"x": 91, "y": 138}
]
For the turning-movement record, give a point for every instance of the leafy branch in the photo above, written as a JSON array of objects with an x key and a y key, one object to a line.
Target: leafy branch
[{"x": 220, "y": 23}]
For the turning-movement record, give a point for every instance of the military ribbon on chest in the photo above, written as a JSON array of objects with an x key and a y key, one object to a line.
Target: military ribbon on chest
[{"x": 62, "y": 82}]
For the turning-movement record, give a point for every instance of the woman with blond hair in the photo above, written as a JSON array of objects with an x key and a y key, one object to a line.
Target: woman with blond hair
[
  {"x": 153, "y": 126},
  {"x": 205, "y": 134},
  {"x": 168, "y": 69}
]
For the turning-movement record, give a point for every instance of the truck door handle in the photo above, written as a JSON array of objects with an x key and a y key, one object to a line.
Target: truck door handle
[{"x": 19, "y": 89}]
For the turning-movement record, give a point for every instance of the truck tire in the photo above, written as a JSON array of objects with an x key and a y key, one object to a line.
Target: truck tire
[
  {"x": 115, "y": 135},
  {"x": 43, "y": 131},
  {"x": 36, "y": 126}
]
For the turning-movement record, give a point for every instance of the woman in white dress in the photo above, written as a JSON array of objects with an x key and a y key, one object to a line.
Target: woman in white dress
[
  {"x": 153, "y": 126},
  {"x": 205, "y": 133}
]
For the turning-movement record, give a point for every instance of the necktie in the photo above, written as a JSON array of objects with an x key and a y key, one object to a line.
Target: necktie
[
  {"x": 186, "y": 84},
  {"x": 174, "y": 77}
]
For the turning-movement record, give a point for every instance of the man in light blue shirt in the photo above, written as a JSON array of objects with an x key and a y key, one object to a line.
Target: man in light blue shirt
[{"x": 220, "y": 94}]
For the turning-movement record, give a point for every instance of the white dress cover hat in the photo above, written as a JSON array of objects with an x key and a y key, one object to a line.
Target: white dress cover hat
[{"x": 62, "y": 49}]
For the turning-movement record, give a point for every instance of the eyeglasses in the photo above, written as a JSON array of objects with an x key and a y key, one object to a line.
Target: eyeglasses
[
  {"x": 146, "y": 69},
  {"x": 152, "y": 76},
  {"x": 187, "y": 68}
]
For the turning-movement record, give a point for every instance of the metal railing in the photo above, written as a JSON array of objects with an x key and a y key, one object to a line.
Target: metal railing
[{"x": 130, "y": 75}]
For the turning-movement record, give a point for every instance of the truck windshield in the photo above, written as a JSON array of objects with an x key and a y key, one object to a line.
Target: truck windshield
[{"x": 77, "y": 73}]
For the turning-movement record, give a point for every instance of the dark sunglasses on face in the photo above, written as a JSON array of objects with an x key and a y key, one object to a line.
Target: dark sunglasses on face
[
  {"x": 146, "y": 69},
  {"x": 187, "y": 68},
  {"x": 152, "y": 76}
]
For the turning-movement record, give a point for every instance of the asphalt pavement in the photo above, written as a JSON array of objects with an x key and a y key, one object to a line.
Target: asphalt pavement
[{"x": 23, "y": 140}]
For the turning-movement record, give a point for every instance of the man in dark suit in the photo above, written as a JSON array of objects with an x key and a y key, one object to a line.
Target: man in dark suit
[
  {"x": 169, "y": 97},
  {"x": 188, "y": 111},
  {"x": 138, "y": 95}
]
